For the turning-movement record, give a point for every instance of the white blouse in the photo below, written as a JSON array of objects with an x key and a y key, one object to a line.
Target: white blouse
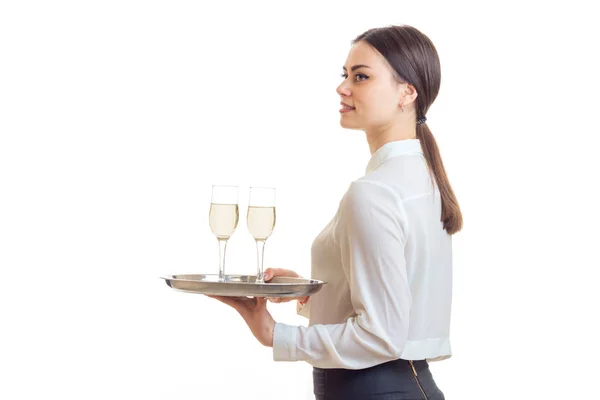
[{"x": 387, "y": 262}]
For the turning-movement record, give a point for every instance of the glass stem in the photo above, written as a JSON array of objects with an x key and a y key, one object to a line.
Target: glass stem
[
  {"x": 260, "y": 250},
  {"x": 222, "y": 247}
]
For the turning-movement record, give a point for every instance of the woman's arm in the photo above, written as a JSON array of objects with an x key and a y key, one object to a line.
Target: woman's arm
[{"x": 371, "y": 236}]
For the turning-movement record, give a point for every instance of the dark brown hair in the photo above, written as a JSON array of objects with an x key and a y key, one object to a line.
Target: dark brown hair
[{"x": 414, "y": 58}]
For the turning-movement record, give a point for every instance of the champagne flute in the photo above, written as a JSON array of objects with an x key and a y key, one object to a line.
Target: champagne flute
[
  {"x": 261, "y": 221},
  {"x": 223, "y": 217}
]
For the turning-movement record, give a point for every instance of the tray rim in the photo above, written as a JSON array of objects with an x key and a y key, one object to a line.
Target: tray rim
[{"x": 304, "y": 280}]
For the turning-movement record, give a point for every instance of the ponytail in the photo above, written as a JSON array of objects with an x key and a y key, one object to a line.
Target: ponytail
[{"x": 451, "y": 214}]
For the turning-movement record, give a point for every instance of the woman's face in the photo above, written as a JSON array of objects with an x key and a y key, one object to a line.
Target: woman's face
[{"x": 370, "y": 88}]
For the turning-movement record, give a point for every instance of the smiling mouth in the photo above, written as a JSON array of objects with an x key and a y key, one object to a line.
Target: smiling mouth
[{"x": 346, "y": 108}]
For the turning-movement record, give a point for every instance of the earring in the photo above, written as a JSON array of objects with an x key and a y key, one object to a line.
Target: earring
[{"x": 402, "y": 105}]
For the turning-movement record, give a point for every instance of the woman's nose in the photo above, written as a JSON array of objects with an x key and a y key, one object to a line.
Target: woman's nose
[{"x": 343, "y": 90}]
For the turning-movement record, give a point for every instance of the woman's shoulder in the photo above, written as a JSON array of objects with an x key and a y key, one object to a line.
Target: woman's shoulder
[{"x": 367, "y": 192}]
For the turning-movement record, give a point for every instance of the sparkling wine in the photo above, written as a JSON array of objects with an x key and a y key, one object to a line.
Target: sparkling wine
[
  {"x": 223, "y": 219},
  {"x": 261, "y": 221}
]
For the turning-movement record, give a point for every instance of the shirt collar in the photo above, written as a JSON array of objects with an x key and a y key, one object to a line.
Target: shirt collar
[{"x": 393, "y": 149}]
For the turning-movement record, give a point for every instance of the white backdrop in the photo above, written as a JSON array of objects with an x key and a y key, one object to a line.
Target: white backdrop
[{"x": 116, "y": 117}]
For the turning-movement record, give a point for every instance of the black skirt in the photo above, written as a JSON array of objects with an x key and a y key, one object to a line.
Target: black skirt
[{"x": 394, "y": 380}]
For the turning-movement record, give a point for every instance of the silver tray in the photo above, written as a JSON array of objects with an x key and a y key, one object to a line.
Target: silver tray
[{"x": 243, "y": 285}]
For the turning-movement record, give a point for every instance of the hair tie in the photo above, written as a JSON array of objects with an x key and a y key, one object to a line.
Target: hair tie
[{"x": 421, "y": 121}]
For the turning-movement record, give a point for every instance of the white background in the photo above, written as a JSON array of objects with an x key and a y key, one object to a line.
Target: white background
[{"x": 116, "y": 117}]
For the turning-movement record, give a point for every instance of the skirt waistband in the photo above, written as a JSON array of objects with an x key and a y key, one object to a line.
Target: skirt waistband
[
  {"x": 399, "y": 363},
  {"x": 398, "y": 379}
]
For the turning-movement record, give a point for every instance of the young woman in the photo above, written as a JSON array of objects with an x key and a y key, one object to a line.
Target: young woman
[{"x": 386, "y": 255}]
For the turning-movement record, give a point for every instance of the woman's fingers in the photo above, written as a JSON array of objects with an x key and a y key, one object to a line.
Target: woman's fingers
[
  {"x": 240, "y": 303},
  {"x": 281, "y": 299},
  {"x": 273, "y": 272},
  {"x": 270, "y": 273}
]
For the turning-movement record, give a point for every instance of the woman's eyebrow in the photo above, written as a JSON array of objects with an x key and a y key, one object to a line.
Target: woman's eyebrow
[{"x": 357, "y": 67}]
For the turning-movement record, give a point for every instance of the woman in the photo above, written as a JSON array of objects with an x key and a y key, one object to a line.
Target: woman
[{"x": 386, "y": 255}]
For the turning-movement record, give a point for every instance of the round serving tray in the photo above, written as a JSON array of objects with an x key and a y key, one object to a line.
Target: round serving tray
[{"x": 243, "y": 285}]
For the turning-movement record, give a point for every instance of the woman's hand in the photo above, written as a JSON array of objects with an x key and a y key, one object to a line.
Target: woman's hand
[
  {"x": 255, "y": 313},
  {"x": 254, "y": 310},
  {"x": 273, "y": 272}
]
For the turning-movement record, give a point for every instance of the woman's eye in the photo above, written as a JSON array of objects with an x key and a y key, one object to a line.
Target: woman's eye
[{"x": 362, "y": 76}]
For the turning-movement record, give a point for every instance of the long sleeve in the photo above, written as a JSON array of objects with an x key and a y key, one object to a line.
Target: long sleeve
[{"x": 370, "y": 234}]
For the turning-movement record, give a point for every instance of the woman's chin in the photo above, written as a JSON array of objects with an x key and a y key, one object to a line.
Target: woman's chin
[{"x": 348, "y": 124}]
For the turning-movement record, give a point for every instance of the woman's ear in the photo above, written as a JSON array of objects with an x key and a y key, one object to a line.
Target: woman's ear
[{"x": 408, "y": 94}]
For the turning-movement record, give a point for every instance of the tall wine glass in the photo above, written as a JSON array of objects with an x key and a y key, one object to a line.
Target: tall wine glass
[
  {"x": 224, "y": 216},
  {"x": 261, "y": 221}
]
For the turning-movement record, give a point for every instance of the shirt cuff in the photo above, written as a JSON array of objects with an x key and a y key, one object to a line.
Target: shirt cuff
[{"x": 284, "y": 342}]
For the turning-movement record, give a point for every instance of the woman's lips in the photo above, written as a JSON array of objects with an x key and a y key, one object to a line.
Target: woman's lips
[{"x": 346, "y": 108}]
